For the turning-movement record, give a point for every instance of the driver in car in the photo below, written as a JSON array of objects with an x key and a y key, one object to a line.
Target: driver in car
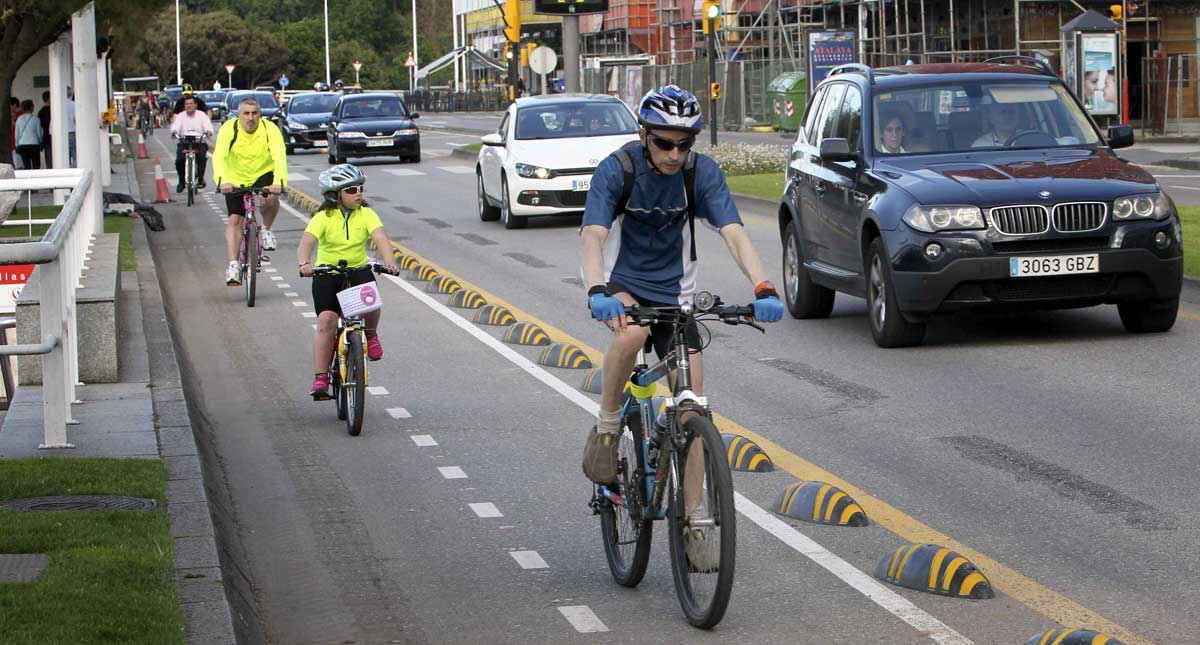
[{"x": 1002, "y": 117}]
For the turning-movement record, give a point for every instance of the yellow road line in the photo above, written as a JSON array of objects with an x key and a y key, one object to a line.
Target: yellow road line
[
  {"x": 1026, "y": 590},
  {"x": 1190, "y": 315}
]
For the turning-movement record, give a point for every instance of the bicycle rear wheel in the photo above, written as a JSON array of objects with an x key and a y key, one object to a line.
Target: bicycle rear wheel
[
  {"x": 627, "y": 537},
  {"x": 356, "y": 383},
  {"x": 250, "y": 261},
  {"x": 703, "y": 539},
  {"x": 190, "y": 174}
]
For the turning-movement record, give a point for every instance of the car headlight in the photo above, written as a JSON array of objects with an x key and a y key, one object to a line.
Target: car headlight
[
  {"x": 1149, "y": 206},
  {"x": 352, "y": 134},
  {"x": 534, "y": 172},
  {"x": 950, "y": 217},
  {"x": 296, "y": 125},
  {"x": 407, "y": 132}
]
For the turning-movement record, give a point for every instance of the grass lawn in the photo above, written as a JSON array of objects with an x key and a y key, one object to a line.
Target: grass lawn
[
  {"x": 768, "y": 186},
  {"x": 112, "y": 224},
  {"x": 111, "y": 574},
  {"x": 472, "y": 147},
  {"x": 1190, "y": 217}
]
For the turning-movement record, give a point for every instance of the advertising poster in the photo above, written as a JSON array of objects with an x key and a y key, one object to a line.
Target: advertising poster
[
  {"x": 827, "y": 50},
  {"x": 12, "y": 279},
  {"x": 1100, "y": 83}
]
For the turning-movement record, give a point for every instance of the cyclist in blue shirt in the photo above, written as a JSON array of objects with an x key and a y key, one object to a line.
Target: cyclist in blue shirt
[{"x": 637, "y": 248}]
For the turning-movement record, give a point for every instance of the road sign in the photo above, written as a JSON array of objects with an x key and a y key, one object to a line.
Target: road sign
[
  {"x": 283, "y": 81},
  {"x": 230, "y": 68},
  {"x": 410, "y": 61},
  {"x": 357, "y": 65},
  {"x": 569, "y": 7},
  {"x": 543, "y": 60}
]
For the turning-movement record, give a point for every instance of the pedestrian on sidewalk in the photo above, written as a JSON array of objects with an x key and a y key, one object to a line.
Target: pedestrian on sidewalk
[
  {"x": 29, "y": 136},
  {"x": 70, "y": 129},
  {"x": 14, "y": 108},
  {"x": 44, "y": 119}
]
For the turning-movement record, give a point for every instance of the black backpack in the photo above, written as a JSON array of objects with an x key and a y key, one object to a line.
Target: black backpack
[{"x": 625, "y": 155}]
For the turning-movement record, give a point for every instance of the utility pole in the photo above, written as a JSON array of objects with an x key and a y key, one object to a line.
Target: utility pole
[
  {"x": 711, "y": 21},
  {"x": 570, "y": 35},
  {"x": 512, "y": 33}
]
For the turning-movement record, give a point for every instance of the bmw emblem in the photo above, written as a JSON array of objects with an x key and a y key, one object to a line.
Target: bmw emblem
[
  {"x": 594, "y": 162},
  {"x": 1045, "y": 194}
]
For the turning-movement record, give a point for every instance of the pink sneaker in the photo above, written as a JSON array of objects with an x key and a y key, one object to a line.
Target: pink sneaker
[
  {"x": 320, "y": 388},
  {"x": 374, "y": 348}
]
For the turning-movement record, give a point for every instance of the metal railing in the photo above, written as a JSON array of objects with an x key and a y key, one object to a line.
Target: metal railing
[{"x": 60, "y": 255}]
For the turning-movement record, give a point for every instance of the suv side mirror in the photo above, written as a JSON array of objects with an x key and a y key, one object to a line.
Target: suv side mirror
[
  {"x": 836, "y": 149},
  {"x": 415, "y": 115},
  {"x": 492, "y": 139},
  {"x": 1120, "y": 136}
]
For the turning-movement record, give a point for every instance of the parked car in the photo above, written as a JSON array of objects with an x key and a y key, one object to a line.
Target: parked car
[
  {"x": 373, "y": 124},
  {"x": 1001, "y": 193},
  {"x": 215, "y": 100},
  {"x": 541, "y": 158},
  {"x": 305, "y": 118},
  {"x": 266, "y": 103}
]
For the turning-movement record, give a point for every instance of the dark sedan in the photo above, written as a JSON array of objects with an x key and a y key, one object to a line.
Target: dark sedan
[
  {"x": 930, "y": 189},
  {"x": 215, "y": 100},
  {"x": 266, "y": 103},
  {"x": 373, "y": 124},
  {"x": 305, "y": 119}
]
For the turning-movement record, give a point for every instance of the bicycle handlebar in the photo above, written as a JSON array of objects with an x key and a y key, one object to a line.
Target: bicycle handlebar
[
  {"x": 715, "y": 310},
  {"x": 242, "y": 190},
  {"x": 342, "y": 269}
]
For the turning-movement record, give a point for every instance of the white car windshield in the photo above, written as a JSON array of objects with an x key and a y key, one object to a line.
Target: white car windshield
[
  {"x": 979, "y": 115},
  {"x": 574, "y": 119}
]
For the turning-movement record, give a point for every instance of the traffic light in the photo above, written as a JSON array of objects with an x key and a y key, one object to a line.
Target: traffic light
[
  {"x": 711, "y": 20},
  {"x": 1116, "y": 12},
  {"x": 512, "y": 20},
  {"x": 525, "y": 51},
  {"x": 715, "y": 90}
]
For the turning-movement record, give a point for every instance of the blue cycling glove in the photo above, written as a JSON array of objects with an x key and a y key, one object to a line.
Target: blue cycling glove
[
  {"x": 605, "y": 307},
  {"x": 767, "y": 307}
]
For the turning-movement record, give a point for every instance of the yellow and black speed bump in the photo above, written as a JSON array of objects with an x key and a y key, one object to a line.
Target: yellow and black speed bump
[
  {"x": 1071, "y": 636},
  {"x": 934, "y": 569},
  {"x": 498, "y": 315},
  {"x": 424, "y": 272},
  {"x": 407, "y": 262},
  {"x": 565, "y": 355},
  {"x": 593, "y": 383},
  {"x": 526, "y": 333},
  {"x": 820, "y": 503},
  {"x": 745, "y": 455},
  {"x": 467, "y": 299},
  {"x": 443, "y": 284}
]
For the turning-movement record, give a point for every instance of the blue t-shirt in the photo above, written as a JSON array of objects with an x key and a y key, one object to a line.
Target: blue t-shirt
[{"x": 648, "y": 250}]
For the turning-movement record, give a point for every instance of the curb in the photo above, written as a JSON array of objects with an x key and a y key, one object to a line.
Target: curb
[
  {"x": 1182, "y": 164},
  {"x": 199, "y": 582}
]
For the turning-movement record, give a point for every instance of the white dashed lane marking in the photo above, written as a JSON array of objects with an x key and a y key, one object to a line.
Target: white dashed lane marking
[
  {"x": 290, "y": 294},
  {"x": 424, "y": 440},
  {"x": 309, "y": 314},
  {"x": 457, "y": 170},
  {"x": 529, "y": 559},
  {"x": 452, "y": 472},
  {"x": 276, "y": 277},
  {"x": 583, "y": 619},
  {"x": 295, "y": 176},
  {"x": 269, "y": 270},
  {"x": 376, "y": 390},
  {"x": 403, "y": 172},
  {"x": 283, "y": 285},
  {"x": 299, "y": 303},
  {"x": 486, "y": 509},
  {"x": 314, "y": 326},
  {"x": 399, "y": 413}
]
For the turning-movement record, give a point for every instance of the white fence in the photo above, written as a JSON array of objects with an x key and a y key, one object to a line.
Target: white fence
[{"x": 60, "y": 256}]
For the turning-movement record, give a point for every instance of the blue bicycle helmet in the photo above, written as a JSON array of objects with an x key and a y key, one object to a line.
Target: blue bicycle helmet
[
  {"x": 670, "y": 108},
  {"x": 338, "y": 177}
]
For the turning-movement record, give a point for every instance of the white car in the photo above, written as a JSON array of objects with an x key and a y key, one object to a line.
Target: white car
[{"x": 541, "y": 159}]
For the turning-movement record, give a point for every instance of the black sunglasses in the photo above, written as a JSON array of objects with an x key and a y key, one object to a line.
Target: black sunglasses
[
  {"x": 352, "y": 190},
  {"x": 667, "y": 145}
]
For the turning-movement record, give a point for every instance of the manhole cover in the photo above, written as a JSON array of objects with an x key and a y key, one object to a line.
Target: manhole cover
[{"x": 80, "y": 503}]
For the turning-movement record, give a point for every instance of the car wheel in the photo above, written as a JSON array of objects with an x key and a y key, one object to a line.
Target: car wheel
[
  {"x": 888, "y": 326},
  {"x": 506, "y": 215},
  {"x": 337, "y": 157},
  {"x": 487, "y": 212},
  {"x": 332, "y": 159},
  {"x": 1148, "y": 317},
  {"x": 291, "y": 150},
  {"x": 805, "y": 299}
]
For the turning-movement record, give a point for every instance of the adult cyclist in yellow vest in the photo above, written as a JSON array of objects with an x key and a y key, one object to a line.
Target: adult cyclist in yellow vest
[{"x": 249, "y": 152}]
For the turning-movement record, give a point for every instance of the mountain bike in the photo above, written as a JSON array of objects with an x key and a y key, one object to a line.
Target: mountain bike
[
  {"x": 190, "y": 150},
  {"x": 145, "y": 123},
  {"x": 348, "y": 369},
  {"x": 250, "y": 255},
  {"x": 673, "y": 467}
]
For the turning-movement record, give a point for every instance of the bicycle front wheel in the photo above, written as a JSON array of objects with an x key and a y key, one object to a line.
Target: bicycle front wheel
[
  {"x": 339, "y": 392},
  {"x": 356, "y": 383},
  {"x": 627, "y": 535},
  {"x": 250, "y": 262},
  {"x": 190, "y": 174},
  {"x": 702, "y": 525}
]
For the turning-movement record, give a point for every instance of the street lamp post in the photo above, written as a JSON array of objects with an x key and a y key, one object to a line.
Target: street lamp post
[
  {"x": 178, "y": 57},
  {"x": 326, "y": 5},
  {"x": 413, "y": 83}
]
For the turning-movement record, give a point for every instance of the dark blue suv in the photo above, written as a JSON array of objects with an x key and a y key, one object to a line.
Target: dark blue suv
[{"x": 930, "y": 189}]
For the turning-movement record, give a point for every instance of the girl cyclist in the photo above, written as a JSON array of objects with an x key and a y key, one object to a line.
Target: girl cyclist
[{"x": 340, "y": 229}]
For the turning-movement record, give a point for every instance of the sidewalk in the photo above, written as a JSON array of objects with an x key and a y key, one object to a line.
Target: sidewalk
[{"x": 144, "y": 416}]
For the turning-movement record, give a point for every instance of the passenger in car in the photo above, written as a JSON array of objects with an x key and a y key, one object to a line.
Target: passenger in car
[
  {"x": 1003, "y": 119},
  {"x": 891, "y": 136}
]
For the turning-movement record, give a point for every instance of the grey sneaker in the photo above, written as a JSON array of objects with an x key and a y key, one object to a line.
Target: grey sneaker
[
  {"x": 600, "y": 456},
  {"x": 233, "y": 274},
  {"x": 703, "y": 554}
]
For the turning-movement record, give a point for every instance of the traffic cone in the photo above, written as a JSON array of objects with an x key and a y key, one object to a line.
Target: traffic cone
[
  {"x": 142, "y": 153},
  {"x": 163, "y": 194}
]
